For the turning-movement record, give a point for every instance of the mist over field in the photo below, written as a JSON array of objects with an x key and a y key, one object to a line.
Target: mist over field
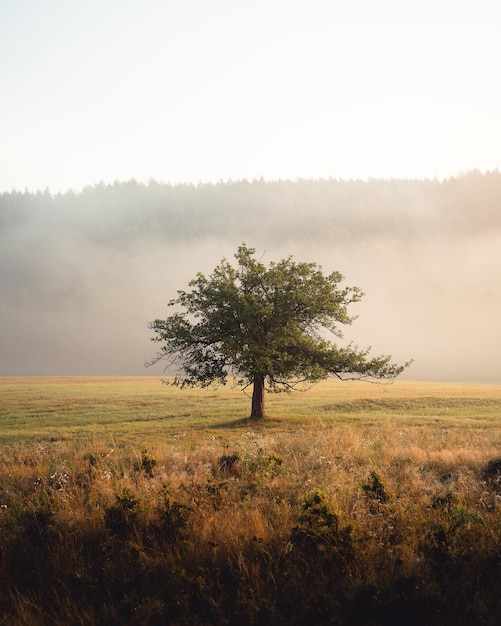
[{"x": 82, "y": 274}]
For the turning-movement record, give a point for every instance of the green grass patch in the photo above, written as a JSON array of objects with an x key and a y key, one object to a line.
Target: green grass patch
[{"x": 135, "y": 408}]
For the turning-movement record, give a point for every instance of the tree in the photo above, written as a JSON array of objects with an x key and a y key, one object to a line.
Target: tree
[{"x": 263, "y": 325}]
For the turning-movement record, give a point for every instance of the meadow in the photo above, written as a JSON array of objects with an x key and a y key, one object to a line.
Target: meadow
[{"x": 125, "y": 501}]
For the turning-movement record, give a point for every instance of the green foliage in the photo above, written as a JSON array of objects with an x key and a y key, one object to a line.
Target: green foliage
[
  {"x": 491, "y": 473},
  {"x": 317, "y": 513},
  {"x": 318, "y": 530},
  {"x": 263, "y": 324},
  {"x": 147, "y": 463},
  {"x": 227, "y": 462},
  {"x": 121, "y": 516},
  {"x": 446, "y": 501},
  {"x": 375, "y": 489},
  {"x": 447, "y": 543},
  {"x": 217, "y": 490},
  {"x": 92, "y": 458},
  {"x": 174, "y": 516},
  {"x": 267, "y": 464}
]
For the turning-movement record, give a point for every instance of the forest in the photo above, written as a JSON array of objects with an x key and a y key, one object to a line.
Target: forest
[
  {"x": 82, "y": 272},
  {"x": 119, "y": 213}
]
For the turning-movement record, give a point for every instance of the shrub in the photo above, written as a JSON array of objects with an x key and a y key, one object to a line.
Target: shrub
[
  {"x": 375, "y": 489},
  {"x": 318, "y": 530},
  {"x": 121, "y": 516},
  {"x": 147, "y": 463},
  {"x": 491, "y": 473},
  {"x": 227, "y": 463},
  {"x": 174, "y": 517}
]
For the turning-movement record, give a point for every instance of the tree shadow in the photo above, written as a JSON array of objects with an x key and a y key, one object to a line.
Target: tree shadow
[{"x": 247, "y": 423}]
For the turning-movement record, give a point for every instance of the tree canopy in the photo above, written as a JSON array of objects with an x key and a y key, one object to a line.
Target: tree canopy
[{"x": 265, "y": 326}]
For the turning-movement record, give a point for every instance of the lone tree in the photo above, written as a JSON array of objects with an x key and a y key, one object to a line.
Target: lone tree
[{"x": 262, "y": 325}]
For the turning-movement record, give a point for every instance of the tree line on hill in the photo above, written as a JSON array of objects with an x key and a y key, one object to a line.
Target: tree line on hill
[
  {"x": 118, "y": 213},
  {"x": 82, "y": 273}
]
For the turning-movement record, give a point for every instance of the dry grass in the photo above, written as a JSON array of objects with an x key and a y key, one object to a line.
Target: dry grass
[{"x": 186, "y": 513}]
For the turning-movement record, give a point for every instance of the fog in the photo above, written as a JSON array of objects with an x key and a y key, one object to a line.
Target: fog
[{"x": 77, "y": 294}]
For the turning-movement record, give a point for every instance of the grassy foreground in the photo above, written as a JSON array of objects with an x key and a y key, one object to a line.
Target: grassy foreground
[{"x": 123, "y": 501}]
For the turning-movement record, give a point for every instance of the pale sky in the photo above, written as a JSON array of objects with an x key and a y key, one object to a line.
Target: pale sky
[{"x": 198, "y": 90}]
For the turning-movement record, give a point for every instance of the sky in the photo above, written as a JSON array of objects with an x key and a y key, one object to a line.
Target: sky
[{"x": 192, "y": 91}]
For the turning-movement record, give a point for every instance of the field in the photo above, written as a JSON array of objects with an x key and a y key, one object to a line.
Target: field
[{"x": 125, "y": 501}]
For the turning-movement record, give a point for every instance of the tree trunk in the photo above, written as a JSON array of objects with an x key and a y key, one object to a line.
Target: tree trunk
[{"x": 257, "y": 411}]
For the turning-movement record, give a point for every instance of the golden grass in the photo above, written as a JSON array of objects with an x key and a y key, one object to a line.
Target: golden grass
[{"x": 74, "y": 449}]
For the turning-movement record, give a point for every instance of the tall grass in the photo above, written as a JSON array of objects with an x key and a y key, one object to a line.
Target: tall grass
[{"x": 382, "y": 505}]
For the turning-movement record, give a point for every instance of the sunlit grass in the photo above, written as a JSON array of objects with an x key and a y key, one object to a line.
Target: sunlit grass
[{"x": 141, "y": 407}]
